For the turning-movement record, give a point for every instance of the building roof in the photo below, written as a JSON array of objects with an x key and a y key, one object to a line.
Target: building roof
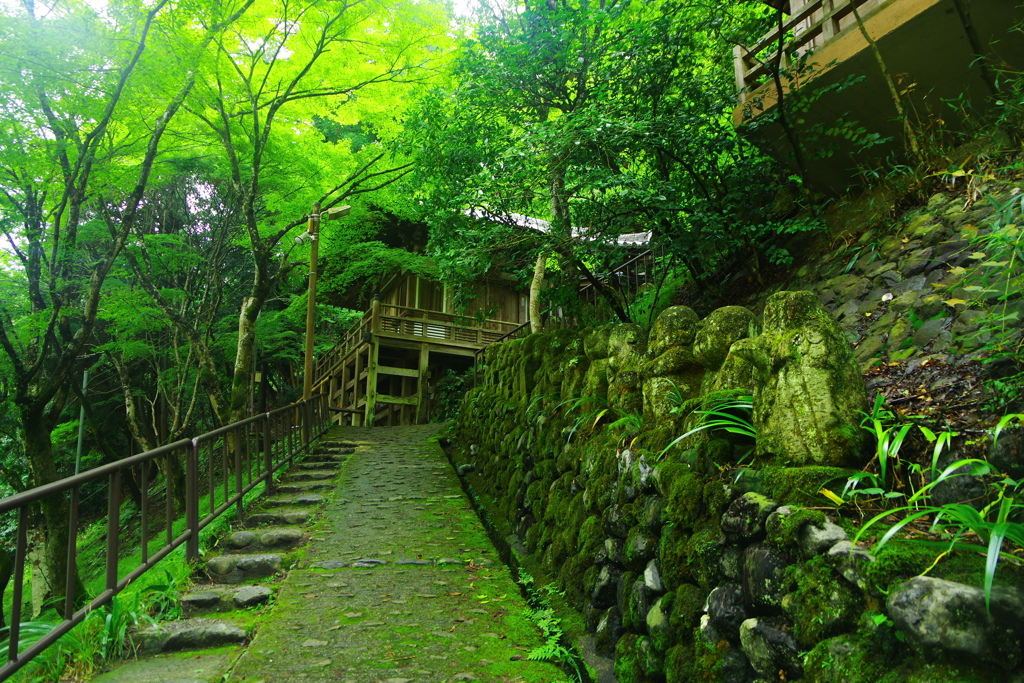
[{"x": 631, "y": 239}]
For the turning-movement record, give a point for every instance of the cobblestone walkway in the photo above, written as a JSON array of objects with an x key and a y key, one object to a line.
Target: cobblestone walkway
[{"x": 397, "y": 583}]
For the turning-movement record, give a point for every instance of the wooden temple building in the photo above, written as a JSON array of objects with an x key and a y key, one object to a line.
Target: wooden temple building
[{"x": 380, "y": 372}]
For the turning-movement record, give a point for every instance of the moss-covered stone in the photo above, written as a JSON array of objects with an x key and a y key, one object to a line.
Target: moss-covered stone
[
  {"x": 672, "y": 557},
  {"x": 659, "y": 627},
  {"x": 717, "y": 332},
  {"x": 687, "y": 609},
  {"x": 679, "y": 664},
  {"x": 628, "y": 666},
  {"x": 784, "y": 530},
  {"x": 683, "y": 497},
  {"x": 590, "y": 537},
  {"x": 822, "y": 605},
  {"x": 703, "y": 554},
  {"x": 800, "y": 485},
  {"x": 810, "y": 393},
  {"x": 675, "y": 326}
]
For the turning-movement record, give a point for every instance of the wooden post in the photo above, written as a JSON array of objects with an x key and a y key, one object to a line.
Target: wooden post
[
  {"x": 371, "y": 380},
  {"x": 345, "y": 377},
  {"x": 375, "y": 315},
  {"x": 357, "y": 394},
  {"x": 312, "y": 229},
  {"x": 422, "y": 414}
]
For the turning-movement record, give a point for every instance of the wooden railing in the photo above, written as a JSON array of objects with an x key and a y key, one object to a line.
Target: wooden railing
[{"x": 810, "y": 28}]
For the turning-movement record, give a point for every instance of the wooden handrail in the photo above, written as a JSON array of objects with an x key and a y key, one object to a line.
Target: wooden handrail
[{"x": 750, "y": 67}]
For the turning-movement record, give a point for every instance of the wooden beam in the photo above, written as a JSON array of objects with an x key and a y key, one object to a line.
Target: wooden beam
[
  {"x": 400, "y": 372},
  {"x": 397, "y": 400}
]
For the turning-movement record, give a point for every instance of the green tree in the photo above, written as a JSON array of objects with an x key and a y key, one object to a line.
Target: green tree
[{"x": 88, "y": 96}]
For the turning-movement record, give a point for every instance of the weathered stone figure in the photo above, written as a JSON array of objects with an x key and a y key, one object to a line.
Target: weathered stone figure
[{"x": 809, "y": 390}]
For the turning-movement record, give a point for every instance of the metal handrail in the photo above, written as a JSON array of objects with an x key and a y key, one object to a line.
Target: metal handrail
[{"x": 250, "y": 452}]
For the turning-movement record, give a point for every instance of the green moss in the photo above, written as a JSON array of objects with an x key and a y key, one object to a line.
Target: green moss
[
  {"x": 628, "y": 668},
  {"x": 683, "y": 499},
  {"x": 675, "y": 569},
  {"x": 785, "y": 529},
  {"x": 900, "y": 560},
  {"x": 687, "y": 608},
  {"x": 679, "y": 664},
  {"x": 590, "y": 537},
  {"x": 703, "y": 554},
  {"x": 822, "y": 605},
  {"x": 847, "y": 659},
  {"x": 800, "y": 485},
  {"x": 716, "y": 498}
]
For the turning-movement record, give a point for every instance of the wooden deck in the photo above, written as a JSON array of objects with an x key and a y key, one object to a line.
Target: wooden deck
[{"x": 379, "y": 372}]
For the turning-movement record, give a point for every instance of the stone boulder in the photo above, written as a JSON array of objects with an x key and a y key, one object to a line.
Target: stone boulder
[
  {"x": 771, "y": 649},
  {"x": 939, "y": 616},
  {"x": 810, "y": 389}
]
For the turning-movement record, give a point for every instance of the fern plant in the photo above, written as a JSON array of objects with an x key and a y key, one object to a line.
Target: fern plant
[{"x": 733, "y": 415}]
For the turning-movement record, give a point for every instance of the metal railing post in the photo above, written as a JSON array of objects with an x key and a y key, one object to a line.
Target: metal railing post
[
  {"x": 192, "y": 502},
  {"x": 20, "y": 556},
  {"x": 268, "y": 455},
  {"x": 113, "y": 527},
  {"x": 69, "y": 586}
]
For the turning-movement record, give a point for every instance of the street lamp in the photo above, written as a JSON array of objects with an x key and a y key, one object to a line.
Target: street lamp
[{"x": 312, "y": 234}]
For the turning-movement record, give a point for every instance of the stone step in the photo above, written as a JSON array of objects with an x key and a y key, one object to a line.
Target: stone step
[
  {"x": 279, "y": 516},
  {"x": 308, "y": 466},
  {"x": 333, "y": 443},
  {"x": 235, "y": 569},
  {"x": 220, "y": 598},
  {"x": 294, "y": 501},
  {"x": 325, "y": 458},
  {"x": 190, "y": 634},
  {"x": 303, "y": 487},
  {"x": 262, "y": 538},
  {"x": 313, "y": 475}
]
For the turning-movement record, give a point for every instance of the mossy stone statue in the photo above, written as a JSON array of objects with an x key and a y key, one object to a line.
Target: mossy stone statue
[
  {"x": 810, "y": 392},
  {"x": 675, "y": 326},
  {"x": 717, "y": 332},
  {"x": 625, "y": 344}
]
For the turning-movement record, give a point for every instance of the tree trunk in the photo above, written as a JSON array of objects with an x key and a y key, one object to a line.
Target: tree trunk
[
  {"x": 241, "y": 377},
  {"x": 536, "y": 284},
  {"x": 55, "y": 511}
]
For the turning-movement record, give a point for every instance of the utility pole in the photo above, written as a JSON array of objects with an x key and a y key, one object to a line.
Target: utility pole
[{"x": 313, "y": 235}]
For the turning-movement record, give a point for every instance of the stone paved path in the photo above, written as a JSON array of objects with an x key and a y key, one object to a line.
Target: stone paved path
[{"x": 398, "y": 583}]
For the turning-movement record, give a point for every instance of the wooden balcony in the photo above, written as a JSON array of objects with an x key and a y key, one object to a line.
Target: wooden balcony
[
  {"x": 378, "y": 373},
  {"x": 940, "y": 52}
]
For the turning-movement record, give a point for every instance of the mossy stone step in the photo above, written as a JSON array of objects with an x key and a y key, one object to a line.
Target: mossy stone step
[
  {"x": 188, "y": 634},
  {"x": 313, "y": 475},
  {"x": 325, "y": 457},
  {"x": 303, "y": 487},
  {"x": 279, "y": 516},
  {"x": 222, "y": 598},
  {"x": 333, "y": 443},
  {"x": 262, "y": 538},
  {"x": 307, "y": 466},
  {"x": 235, "y": 569},
  {"x": 294, "y": 500}
]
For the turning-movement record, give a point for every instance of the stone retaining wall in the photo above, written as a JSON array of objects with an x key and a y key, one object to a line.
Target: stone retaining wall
[{"x": 685, "y": 567}]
